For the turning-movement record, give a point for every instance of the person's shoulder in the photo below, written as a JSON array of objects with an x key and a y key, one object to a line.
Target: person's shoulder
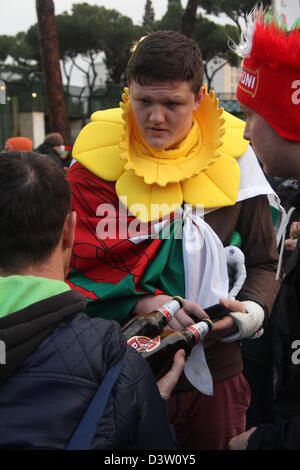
[
  {"x": 103, "y": 334},
  {"x": 104, "y": 339},
  {"x": 82, "y": 347},
  {"x": 114, "y": 347}
]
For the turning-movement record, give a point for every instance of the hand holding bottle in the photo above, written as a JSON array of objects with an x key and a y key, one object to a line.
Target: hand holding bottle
[
  {"x": 159, "y": 351},
  {"x": 226, "y": 325},
  {"x": 167, "y": 383},
  {"x": 149, "y": 303},
  {"x": 151, "y": 324},
  {"x": 183, "y": 318}
]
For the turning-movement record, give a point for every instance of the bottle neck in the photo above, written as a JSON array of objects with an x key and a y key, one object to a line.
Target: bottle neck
[
  {"x": 198, "y": 330},
  {"x": 170, "y": 309}
]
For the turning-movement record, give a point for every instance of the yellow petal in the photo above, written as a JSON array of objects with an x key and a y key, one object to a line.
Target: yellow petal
[
  {"x": 216, "y": 187},
  {"x": 209, "y": 118},
  {"x": 168, "y": 174},
  {"x": 103, "y": 162},
  {"x": 148, "y": 202},
  {"x": 109, "y": 115},
  {"x": 97, "y": 148},
  {"x": 154, "y": 172},
  {"x": 233, "y": 142},
  {"x": 97, "y": 134}
]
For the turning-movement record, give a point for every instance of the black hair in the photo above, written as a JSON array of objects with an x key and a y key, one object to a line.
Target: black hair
[{"x": 35, "y": 199}]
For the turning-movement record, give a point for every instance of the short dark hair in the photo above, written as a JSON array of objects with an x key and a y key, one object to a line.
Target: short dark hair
[
  {"x": 35, "y": 199},
  {"x": 166, "y": 55}
]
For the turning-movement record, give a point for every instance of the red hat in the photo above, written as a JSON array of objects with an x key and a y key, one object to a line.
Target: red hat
[
  {"x": 270, "y": 80},
  {"x": 19, "y": 143}
]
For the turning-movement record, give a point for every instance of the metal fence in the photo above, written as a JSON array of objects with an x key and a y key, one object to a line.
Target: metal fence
[
  {"x": 26, "y": 93},
  {"x": 6, "y": 123}
]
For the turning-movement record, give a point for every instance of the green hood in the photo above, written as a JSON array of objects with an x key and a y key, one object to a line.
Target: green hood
[{"x": 18, "y": 292}]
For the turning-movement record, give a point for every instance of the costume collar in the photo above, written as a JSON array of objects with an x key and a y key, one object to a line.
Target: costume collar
[
  {"x": 194, "y": 154},
  {"x": 157, "y": 182},
  {"x": 209, "y": 178}
]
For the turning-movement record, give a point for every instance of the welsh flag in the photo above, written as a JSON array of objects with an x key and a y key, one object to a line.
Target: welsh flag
[{"x": 114, "y": 259}]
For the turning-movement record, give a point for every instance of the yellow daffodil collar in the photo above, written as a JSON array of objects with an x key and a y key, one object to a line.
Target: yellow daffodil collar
[
  {"x": 193, "y": 155},
  {"x": 209, "y": 176}
]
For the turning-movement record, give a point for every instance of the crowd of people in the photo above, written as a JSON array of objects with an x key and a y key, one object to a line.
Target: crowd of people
[
  {"x": 52, "y": 146},
  {"x": 73, "y": 269}
]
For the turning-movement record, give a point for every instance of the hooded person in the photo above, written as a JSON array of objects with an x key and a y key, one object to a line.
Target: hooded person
[
  {"x": 146, "y": 174},
  {"x": 57, "y": 365},
  {"x": 269, "y": 94}
]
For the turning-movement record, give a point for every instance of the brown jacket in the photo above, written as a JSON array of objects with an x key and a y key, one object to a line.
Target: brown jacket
[{"x": 252, "y": 219}]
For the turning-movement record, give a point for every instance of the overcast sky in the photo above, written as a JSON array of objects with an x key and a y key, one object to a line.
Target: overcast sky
[{"x": 18, "y": 15}]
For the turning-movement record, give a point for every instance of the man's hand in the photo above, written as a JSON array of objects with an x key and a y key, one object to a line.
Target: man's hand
[
  {"x": 182, "y": 319},
  {"x": 239, "y": 442},
  {"x": 170, "y": 379},
  {"x": 291, "y": 243},
  {"x": 226, "y": 326},
  {"x": 295, "y": 229}
]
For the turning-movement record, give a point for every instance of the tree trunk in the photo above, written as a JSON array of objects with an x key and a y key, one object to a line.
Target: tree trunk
[
  {"x": 189, "y": 18},
  {"x": 50, "y": 53}
]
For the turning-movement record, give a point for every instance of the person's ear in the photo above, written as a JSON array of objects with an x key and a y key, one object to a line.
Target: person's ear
[
  {"x": 69, "y": 230},
  {"x": 199, "y": 97}
]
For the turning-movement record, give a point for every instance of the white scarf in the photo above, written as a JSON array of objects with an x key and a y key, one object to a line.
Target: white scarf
[{"x": 205, "y": 268}]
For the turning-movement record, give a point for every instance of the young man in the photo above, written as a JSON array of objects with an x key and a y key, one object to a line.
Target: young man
[
  {"x": 56, "y": 357},
  {"x": 272, "y": 106},
  {"x": 167, "y": 151}
]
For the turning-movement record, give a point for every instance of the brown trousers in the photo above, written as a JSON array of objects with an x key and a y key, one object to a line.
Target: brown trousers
[{"x": 208, "y": 423}]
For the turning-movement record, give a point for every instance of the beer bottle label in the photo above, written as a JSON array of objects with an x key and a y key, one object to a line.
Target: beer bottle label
[
  {"x": 199, "y": 330},
  {"x": 143, "y": 343},
  {"x": 169, "y": 309}
]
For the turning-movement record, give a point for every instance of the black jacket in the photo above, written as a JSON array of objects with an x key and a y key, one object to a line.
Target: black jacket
[
  {"x": 51, "y": 153},
  {"x": 285, "y": 318},
  {"x": 56, "y": 359}
]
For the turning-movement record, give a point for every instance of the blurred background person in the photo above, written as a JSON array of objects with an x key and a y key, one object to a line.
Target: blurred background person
[
  {"x": 53, "y": 146},
  {"x": 291, "y": 242},
  {"x": 18, "y": 143}
]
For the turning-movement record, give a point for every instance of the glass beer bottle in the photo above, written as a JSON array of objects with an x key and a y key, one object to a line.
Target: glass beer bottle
[
  {"x": 152, "y": 324},
  {"x": 159, "y": 351}
]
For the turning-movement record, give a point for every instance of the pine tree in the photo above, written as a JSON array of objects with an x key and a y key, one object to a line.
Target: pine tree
[
  {"x": 148, "y": 18},
  {"x": 172, "y": 18},
  {"x": 176, "y": 2}
]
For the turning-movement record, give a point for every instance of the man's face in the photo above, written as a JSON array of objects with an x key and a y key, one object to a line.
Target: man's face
[
  {"x": 269, "y": 147},
  {"x": 163, "y": 111}
]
